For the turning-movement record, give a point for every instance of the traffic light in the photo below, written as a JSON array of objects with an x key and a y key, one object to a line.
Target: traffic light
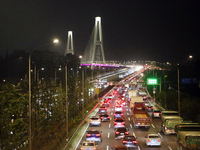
[{"x": 152, "y": 81}]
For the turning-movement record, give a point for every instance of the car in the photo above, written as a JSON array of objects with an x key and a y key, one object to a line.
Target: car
[
  {"x": 94, "y": 135},
  {"x": 147, "y": 103},
  {"x": 153, "y": 140},
  {"x": 88, "y": 145},
  {"x": 119, "y": 122},
  {"x": 129, "y": 141},
  {"x": 102, "y": 110},
  {"x": 95, "y": 121},
  {"x": 104, "y": 117},
  {"x": 156, "y": 114},
  {"x": 119, "y": 147},
  {"x": 118, "y": 114},
  {"x": 118, "y": 108},
  {"x": 149, "y": 108},
  {"x": 121, "y": 132}
]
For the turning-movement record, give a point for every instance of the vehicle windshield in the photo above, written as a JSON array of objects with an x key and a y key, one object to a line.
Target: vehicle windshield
[
  {"x": 94, "y": 118},
  {"x": 88, "y": 144},
  {"x": 129, "y": 138},
  {"x": 153, "y": 136},
  {"x": 93, "y": 132},
  {"x": 119, "y": 120},
  {"x": 121, "y": 129}
]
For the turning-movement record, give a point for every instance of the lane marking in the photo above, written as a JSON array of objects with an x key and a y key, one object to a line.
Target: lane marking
[
  {"x": 129, "y": 118},
  {"x": 169, "y": 147},
  {"x": 138, "y": 148},
  {"x": 82, "y": 136},
  {"x": 160, "y": 135},
  {"x": 126, "y": 109},
  {"x": 112, "y": 109},
  {"x": 109, "y": 125},
  {"x": 111, "y": 113},
  {"x": 107, "y": 147},
  {"x": 127, "y": 113},
  {"x": 110, "y": 118},
  {"x": 108, "y": 135},
  {"x": 131, "y": 126},
  {"x": 152, "y": 125},
  {"x": 134, "y": 135}
]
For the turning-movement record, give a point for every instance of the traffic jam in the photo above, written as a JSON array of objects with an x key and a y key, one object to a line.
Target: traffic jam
[{"x": 124, "y": 103}]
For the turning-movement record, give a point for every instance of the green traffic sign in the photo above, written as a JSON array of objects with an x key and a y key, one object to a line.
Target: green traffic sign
[{"x": 151, "y": 81}]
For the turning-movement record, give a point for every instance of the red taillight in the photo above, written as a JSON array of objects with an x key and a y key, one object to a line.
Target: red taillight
[
  {"x": 116, "y": 132},
  {"x": 94, "y": 148},
  {"x": 82, "y": 148},
  {"x": 108, "y": 117},
  {"x": 135, "y": 142},
  {"x": 149, "y": 140},
  {"x": 158, "y": 140},
  {"x": 126, "y": 132},
  {"x": 151, "y": 107},
  {"x": 123, "y": 122},
  {"x": 98, "y": 134},
  {"x": 101, "y": 117},
  {"x": 124, "y": 141},
  {"x": 114, "y": 114},
  {"x": 88, "y": 134},
  {"x": 115, "y": 123}
]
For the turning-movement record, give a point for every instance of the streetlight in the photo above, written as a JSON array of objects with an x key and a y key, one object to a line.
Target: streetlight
[
  {"x": 179, "y": 111},
  {"x": 66, "y": 97},
  {"x": 30, "y": 141}
]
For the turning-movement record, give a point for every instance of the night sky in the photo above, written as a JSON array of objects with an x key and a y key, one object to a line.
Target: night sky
[{"x": 159, "y": 30}]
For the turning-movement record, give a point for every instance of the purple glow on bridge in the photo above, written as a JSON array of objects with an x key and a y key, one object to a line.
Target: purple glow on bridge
[{"x": 103, "y": 65}]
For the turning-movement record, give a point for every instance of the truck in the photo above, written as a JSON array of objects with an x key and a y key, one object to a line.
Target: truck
[
  {"x": 187, "y": 126},
  {"x": 132, "y": 93},
  {"x": 135, "y": 99},
  {"x": 141, "y": 117},
  {"x": 168, "y": 123},
  {"x": 188, "y": 140}
]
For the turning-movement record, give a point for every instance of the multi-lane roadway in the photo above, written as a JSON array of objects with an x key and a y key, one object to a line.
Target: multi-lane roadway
[{"x": 108, "y": 133}]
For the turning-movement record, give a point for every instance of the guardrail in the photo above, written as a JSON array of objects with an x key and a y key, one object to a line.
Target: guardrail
[{"x": 70, "y": 144}]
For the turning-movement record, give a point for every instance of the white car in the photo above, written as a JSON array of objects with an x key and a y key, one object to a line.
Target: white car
[
  {"x": 153, "y": 140},
  {"x": 95, "y": 121},
  {"x": 88, "y": 145},
  {"x": 118, "y": 108}
]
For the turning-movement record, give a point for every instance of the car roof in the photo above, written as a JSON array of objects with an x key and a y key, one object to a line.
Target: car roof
[
  {"x": 88, "y": 141},
  {"x": 153, "y": 134}
]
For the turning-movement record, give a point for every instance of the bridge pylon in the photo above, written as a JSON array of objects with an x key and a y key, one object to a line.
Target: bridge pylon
[
  {"x": 94, "y": 52},
  {"x": 70, "y": 46}
]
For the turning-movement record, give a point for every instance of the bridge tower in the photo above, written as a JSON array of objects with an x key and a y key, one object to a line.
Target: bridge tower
[
  {"x": 94, "y": 52},
  {"x": 70, "y": 46}
]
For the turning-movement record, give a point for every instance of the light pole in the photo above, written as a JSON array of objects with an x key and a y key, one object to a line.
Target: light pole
[
  {"x": 66, "y": 96},
  {"x": 179, "y": 111},
  {"x": 83, "y": 90},
  {"x": 30, "y": 140}
]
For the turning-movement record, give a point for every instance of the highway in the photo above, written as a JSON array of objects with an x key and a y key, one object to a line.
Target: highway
[{"x": 108, "y": 136}]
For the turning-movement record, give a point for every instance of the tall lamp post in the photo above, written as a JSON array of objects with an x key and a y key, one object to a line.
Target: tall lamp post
[
  {"x": 66, "y": 97},
  {"x": 30, "y": 140},
  {"x": 179, "y": 109}
]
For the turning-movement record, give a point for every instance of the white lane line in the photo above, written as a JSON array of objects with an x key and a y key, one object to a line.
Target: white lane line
[
  {"x": 152, "y": 125},
  {"x": 138, "y": 148},
  {"x": 127, "y": 113},
  {"x": 112, "y": 109},
  {"x": 134, "y": 135},
  {"x": 109, "y": 125},
  {"x": 107, "y": 147},
  {"x": 160, "y": 135},
  {"x": 108, "y": 135},
  {"x": 131, "y": 126},
  {"x": 169, "y": 147},
  {"x": 126, "y": 109},
  {"x": 111, "y": 113},
  {"x": 129, "y": 119},
  {"x": 110, "y": 118},
  {"x": 82, "y": 136}
]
